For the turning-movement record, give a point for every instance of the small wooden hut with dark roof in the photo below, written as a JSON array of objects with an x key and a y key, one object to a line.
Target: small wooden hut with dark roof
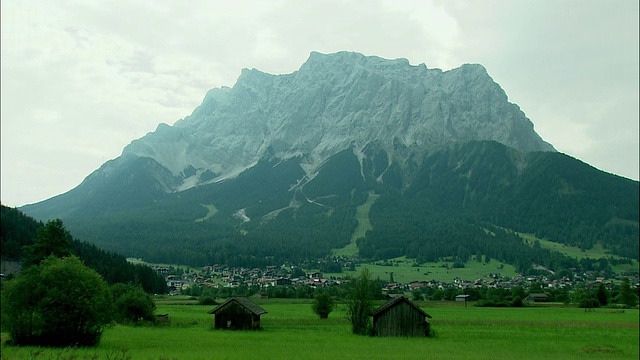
[
  {"x": 400, "y": 317},
  {"x": 237, "y": 313}
]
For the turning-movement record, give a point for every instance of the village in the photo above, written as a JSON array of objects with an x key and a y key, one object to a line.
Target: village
[{"x": 258, "y": 280}]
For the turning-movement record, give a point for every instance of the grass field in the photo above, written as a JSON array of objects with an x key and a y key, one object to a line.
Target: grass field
[
  {"x": 292, "y": 331},
  {"x": 575, "y": 252},
  {"x": 404, "y": 270}
]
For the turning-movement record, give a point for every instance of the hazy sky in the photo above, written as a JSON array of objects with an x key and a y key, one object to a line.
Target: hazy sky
[{"x": 82, "y": 79}]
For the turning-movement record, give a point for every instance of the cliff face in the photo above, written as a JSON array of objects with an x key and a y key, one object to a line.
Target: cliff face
[{"x": 334, "y": 102}]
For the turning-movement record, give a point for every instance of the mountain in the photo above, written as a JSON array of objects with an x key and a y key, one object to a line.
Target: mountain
[
  {"x": 277, "y": 166},
  {"x": 334, "y": 102}
]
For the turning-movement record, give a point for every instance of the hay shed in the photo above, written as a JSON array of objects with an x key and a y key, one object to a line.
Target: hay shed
[
  {"x": 400, "y": 317},
  {"x": 237, "y": 313}
]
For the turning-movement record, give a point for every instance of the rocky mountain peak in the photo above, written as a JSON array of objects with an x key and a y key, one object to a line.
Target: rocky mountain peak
[{"x": 333, "y": 102}]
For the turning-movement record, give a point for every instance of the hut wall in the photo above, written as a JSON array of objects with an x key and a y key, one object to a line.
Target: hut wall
[
  {"x": 401, "y": 320},
  {"x": 237, "y": 317}
]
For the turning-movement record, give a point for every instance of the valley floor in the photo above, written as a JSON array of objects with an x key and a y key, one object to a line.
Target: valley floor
[{"x": 290, "y": 330}]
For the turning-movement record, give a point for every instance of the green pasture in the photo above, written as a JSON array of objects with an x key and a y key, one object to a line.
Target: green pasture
[
  {"x": 183, "y": 267},
  {"x": 405, "y": 271},
  {"x": 596, "y": 252},
  {"x": 291, "y": 331}
]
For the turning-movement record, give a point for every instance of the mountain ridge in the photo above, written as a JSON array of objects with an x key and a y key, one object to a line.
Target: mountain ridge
[{"x": 322, "y": 109}]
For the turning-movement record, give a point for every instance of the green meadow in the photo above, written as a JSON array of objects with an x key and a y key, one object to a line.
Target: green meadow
[
  {"x": 596, "y": 252},
  {"x": 292, "y": 331},
  {"x": 404, "y": 270}
]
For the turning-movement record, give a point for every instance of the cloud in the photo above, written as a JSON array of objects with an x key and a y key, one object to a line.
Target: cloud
[{"x": 572, "y": 66}]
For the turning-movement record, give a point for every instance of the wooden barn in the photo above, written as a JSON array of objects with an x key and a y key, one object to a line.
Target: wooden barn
[
  {"x": 400, "y": 317},
  {"x": 237, "y": 313}
]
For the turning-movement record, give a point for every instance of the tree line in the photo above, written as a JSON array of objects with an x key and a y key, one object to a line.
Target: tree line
[
  {"x": 58, "y": 301},
  {"x": 18, "y": 233}
]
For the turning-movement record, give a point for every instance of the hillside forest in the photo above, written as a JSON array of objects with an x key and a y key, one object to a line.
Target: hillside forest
[{"x": 18, "y": 231}]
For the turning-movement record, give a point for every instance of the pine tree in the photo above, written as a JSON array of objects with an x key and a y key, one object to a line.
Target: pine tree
[{"x": 52, "y": 239}]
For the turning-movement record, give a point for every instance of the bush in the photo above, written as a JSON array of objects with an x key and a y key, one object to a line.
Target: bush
[
  {"x": 59, "y": 302},
  {"x": 208, "y": 300},
  {"x": 132, "y": 304},
  {"x": 323, "y": 305},
  {"x": 517, "y": 302},
  {"x": 491, "y": 303}
]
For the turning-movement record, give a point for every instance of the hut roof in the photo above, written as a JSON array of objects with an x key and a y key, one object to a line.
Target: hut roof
[
  {"x": 539, "y": 295},
  {"x": 394, "y": 302},
  {"x": 250, "y": 305}
]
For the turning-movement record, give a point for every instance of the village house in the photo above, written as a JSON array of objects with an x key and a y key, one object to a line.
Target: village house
[{"x": 283, "y": 282}]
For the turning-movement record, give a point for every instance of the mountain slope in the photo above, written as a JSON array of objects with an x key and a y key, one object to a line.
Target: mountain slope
[
  {"x": 486, "y": 184},
  {"x": 274, "y": 169},
  {"x": 460, "y": 201},
  {"x": 19, "y": 230}
]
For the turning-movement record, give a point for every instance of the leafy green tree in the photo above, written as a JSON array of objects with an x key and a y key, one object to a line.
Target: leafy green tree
[
  {"x": 517, "y": 302},
  {"x": 602, "y": 295},
  {"x": 416, "y": 294},
  {"x": 437, "y": 295},
  {"x": 323, "y": 305},
  {"x": 132, "y": 304},
  {"x": 297, "y": 272},
  {"x": 59, "y": 302},
  {"x": 518, "y": 291},
  {"x": 359, "y": 302},
  {"x": 535, "y": 288},
  {"x": 52, "y": 239},
  {"x": 585, "y": 298},
  {"x": 626, "y": 295}
]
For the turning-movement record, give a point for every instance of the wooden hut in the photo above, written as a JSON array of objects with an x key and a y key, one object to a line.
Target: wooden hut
[
  {"x": 237, "y": 313},
  {"x": 536, "y": 298},
  {"x": 400, "y": 317}
]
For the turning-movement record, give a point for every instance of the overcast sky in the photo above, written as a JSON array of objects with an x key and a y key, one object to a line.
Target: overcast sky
[{"x": 82, "y": 79}]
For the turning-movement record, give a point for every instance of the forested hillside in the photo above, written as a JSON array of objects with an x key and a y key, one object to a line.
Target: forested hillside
[
  {"x": 465, "y": 199},
  {"x": 466, "y": 189},
  {"x": 18, "y": 230}
]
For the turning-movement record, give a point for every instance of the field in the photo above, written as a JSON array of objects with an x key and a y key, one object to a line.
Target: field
[
  {"x": 292, "y": 331},
  {"x": 575, "y": 252},
  {"x": 404, "y": 270}
]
